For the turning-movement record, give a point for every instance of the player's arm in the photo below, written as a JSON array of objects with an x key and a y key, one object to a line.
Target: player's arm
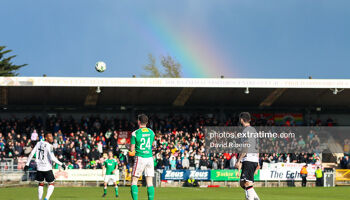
[
  {"x": 241, "y": 156},
  {"x": 103, "y": 169},
  {"x": 53, "y": 157},
  {"x": 238, "y": 166},
  {"x": 30, "y": 157},
  {"x": 133, "y": 142},
  {"x": 238, "y": 163},
  {"x": 257, "y": 168},
  {"x": 132, "y": 147},
  {"x": 116, "y": 167}
]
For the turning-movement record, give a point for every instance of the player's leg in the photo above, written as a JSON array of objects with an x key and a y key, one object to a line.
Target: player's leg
[
  {"x": 136, "y": 173},
  {"x": 250, "y": 192},
  {"x": 134, "y": 189},
  {"x": 105, "y": 188},
  {"x": 150, "y": 187},
  {"x": 149, "y": 173},
  {"x": 116, "y": 189},
  {"x": 243, "y": 178},
  {"x": 50, "y": 178},
  {"x": 105, "y": 185},
  {"x": 248, "y": 187},
  {"x": 116, "y": 181},
  {"x": 40, "y": 178},
  {"x": 50, "y": 189},
  {"x": 40, "y": 190},
  {"x": 247, "y": 180},
  {"x": 242, "y": 184}
]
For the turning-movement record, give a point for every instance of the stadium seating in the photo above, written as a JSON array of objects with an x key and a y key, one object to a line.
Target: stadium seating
[{"x": 81, "y": 143}]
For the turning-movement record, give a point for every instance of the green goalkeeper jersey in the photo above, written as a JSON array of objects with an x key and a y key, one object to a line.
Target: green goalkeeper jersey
[
  {"x": 110, "y": 165},
  {"x": 143, "y": 139}
]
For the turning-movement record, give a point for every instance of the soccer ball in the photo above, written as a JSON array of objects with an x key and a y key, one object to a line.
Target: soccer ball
[{"x": 100, "y": 66}]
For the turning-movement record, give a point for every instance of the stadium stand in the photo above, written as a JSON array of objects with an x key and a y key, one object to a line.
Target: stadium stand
[
  {"x": 81, "y": 143},
  {"x": 177, "y": 115}
]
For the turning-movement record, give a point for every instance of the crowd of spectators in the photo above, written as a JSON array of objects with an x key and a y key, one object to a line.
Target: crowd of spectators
[
  {"x": 344, "y": 162},
  {"x": 83, "y": 143}
]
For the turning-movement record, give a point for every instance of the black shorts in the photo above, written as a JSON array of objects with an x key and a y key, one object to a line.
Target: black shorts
[
  {"x": 248, "y": 169},
  {"x": 47, "y": 176}
]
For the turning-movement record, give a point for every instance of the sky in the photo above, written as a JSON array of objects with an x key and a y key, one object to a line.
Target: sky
[{"x": 209, "y": 38}]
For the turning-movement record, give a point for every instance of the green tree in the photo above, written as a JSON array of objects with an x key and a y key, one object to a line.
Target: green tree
[
  {"x": 7, "y": 68},
  {"x": 171, "y": 68},
  {"x": 151, "y": 68}
]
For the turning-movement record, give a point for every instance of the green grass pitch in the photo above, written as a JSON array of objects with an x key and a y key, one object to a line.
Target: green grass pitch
[{"x": 86, "y": 193}]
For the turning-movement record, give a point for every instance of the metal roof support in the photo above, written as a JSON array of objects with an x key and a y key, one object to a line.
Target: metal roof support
[
  {"x": 91, "y": 98},
  {"x": 3, "y": 95},
  {"x": 183, "y": 96},
  {"x": 273, "y": 96}
]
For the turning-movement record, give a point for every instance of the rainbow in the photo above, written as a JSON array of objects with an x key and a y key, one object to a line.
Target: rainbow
[{"x": 196, "y": 51}]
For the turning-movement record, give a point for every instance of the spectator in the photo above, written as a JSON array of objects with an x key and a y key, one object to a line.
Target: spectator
[
  {"x": 203, "y": 163},
  {"x": 179, "y": 163},
  {"x": 160, "y": 163},
  {"x": 215, "y": 164},
  {"x": 197, "y": 158},
  {"x": 192, "y": 163},
  {"x": 319, "y": 176},
  {"x": 185, "y": 163},
  {"x": 34, "y": 137},
  {"x": 179, "y": 139},
  {"x": 345, "y": 163},
  {"x": 233, "y": 161},
  {"x": 70, "y": 165},
  {"x": 303, "y": 174},
  {"x": 100, "y": 147},
  {"x": 166, "y": 163},
  {"x": 108, "y": 134},
  {"x": 172, "y": 163},
  {"x": 95, "y": 154}
]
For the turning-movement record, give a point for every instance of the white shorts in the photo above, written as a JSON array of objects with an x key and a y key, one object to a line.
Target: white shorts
[
  {"x": 114, "y": 177},
  {"x": 143, "y": 165}
]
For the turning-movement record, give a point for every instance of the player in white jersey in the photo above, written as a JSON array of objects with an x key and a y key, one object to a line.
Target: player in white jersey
[
  {"x": 44, "y": 158},
  {"x": 248, "y": 159}
]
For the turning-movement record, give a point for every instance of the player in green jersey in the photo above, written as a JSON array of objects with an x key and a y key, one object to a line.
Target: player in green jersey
[
  {"x": 110, "y": 172},
  {"x": 141, "y": 145}
]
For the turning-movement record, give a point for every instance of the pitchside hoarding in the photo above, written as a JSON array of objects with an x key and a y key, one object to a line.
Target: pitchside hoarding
[
  {"x": 342, "y": 174},
  {"x": 269, "y": 172},
  {"x": 286, "y": 171},
  {"x": 229, "y": 175},
  {"x": 273, "y": 172},
  {"x": 203, "y": 175},
  {"x": 78, "y": 175}
]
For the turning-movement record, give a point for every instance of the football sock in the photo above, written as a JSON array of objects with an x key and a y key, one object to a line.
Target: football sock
[
  {"x": 40, "y": 191},
  {"x": 150, "y": 191},
  {"x": 116, "y": 190},
  {"x": 256, "y": 197},
  {"x": 250, "y": 193},
  {"x": 49, "y": 191},
  {"x": 134, "y": 192},
  {"x": 105, "y": 190}
]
